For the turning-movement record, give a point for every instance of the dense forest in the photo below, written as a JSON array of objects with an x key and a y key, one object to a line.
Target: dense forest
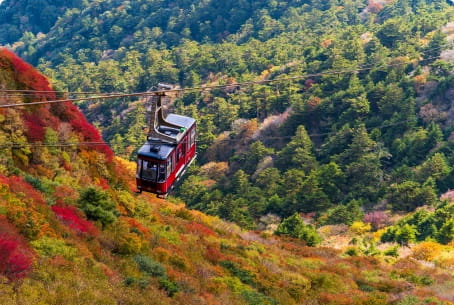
[
  {"x": 72, "y": 229},
  {"x": 369, "y": 130}
]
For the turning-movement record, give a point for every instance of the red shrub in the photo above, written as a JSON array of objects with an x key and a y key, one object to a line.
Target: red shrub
[
  {"x": 89, "y": 132},
  {"x": 199, "y": 229},
  {"x": 29, "y": 78},
  {"x": 4, "y": 180},
  {"x": 18, "y": 185},
  {"x": 214, "y": 255},
  {"x": 135, "y": 224},
  {"x": 103, "y": 184},
  {"x": 66, "y": 112},
  {"x": 309, "y": 83},
  {"x": 15, "y": 257},
  {"x": 70, "y": 217},
  {"x": 35, "y": 127},
  {"x": 67, "y": 166}
]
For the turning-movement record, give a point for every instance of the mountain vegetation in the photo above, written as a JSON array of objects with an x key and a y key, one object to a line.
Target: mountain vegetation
[
  {"x": 70, "y": 228},
  {"x": 375, "y": 135},
  {"x": 344, "y": 165}
]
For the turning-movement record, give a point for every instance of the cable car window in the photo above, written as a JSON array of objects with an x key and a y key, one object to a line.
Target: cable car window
[
  {"x": 169, "y": 167},
  {"x": 149, "y": 170},
  {"x": 162, "y": 173},
  {"x": 180, "y": 152},
  {"x": 192, "y": 136}
]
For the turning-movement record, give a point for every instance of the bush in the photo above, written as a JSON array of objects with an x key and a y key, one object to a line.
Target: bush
[
  {"x": 98, "y": 206},
  {"x": 392, "y": 251},
  {"x": 352, "y": 251},
  {"x": 360, "y": 227},
  {"x": 255, "y": 298},
  {"x": 426, "y": 251},
  {"x": 345, "y": 214},
  {"x": 149, "y": 266},
  {"x": 244, "y": 276},
  {"x": 51, "y": 247},
  {"x": 295, "y": 227},
  {"x": 169, "y": 286},
  {"x": 446, "y": 233},
  {"x": 424, "y": 225},
  {"x": 377, "y": 219},
  {"x": 70, "y": 217},
  {"x": 14, "y": 261}
]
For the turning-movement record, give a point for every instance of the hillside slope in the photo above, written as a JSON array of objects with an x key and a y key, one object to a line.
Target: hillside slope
[{"x": 70, "y": 229}]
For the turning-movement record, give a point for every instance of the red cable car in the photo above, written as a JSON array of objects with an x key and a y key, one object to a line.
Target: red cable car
[{"x": 168, "y": 152}]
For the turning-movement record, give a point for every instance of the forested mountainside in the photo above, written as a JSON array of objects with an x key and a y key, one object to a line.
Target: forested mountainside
[
  {"x": 369, "y": 129},
  {"x": 71, "y": 229},
  {"x": 30, "y": 17}
]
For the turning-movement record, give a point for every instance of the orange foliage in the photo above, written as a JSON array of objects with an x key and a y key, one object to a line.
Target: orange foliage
[
  {"x": 199, "y": 229},
  {"x": 213, "y": 254},
  {"x": 64, "y": 194},
  {"x": 161, "y": 254},
  {"x": 420, "y": 81},
  {"x": 137, "y": 225},
  {"x": 426, "y": 251},
  {"x": 313, "y": 102},
  {"x": 336, "y": 299}
]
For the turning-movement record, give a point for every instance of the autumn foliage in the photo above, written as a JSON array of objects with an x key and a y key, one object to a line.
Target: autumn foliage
[
  {"x": 158, "y": 250},
  {"x": 42, "y": 116},
  {"x": 27, "y": 77},
  {"x": 35, "y": 127},
  {"x": 70, "y": 216},
  {"x": 15, "y": 256}
]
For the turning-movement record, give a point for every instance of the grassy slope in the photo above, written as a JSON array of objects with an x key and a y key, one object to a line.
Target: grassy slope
[{"x": 205, "y": 260}]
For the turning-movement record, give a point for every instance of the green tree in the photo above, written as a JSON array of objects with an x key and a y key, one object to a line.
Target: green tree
[
  {"x": 295, "y": 227},
  {"x": 254, "y": 155},
  {"x": 298, "y": 153},
  {"x": 98, "y": 206},
  {"x": 436, "y": 167},
  {"x": 409, "y": 195},
  {"x": 346, "y": 214},
  {"x": 406, "y": 234},
  {"x": 446, "y": 233}
]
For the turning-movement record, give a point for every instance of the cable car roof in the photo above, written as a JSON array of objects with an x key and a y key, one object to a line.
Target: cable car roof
[
  {"x": 155, "y": 150},
  {"x": 159, "y": 150}
]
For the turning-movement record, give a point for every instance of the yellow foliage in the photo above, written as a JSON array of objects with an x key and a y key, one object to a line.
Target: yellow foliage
[
  {"x": 360, "y": 227},
  {"x": 131, "y": 166},
  {"x": 377, "y": 234},
  {"x": 126, "y": 201},
  {"x": 427, "y": 251}
]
